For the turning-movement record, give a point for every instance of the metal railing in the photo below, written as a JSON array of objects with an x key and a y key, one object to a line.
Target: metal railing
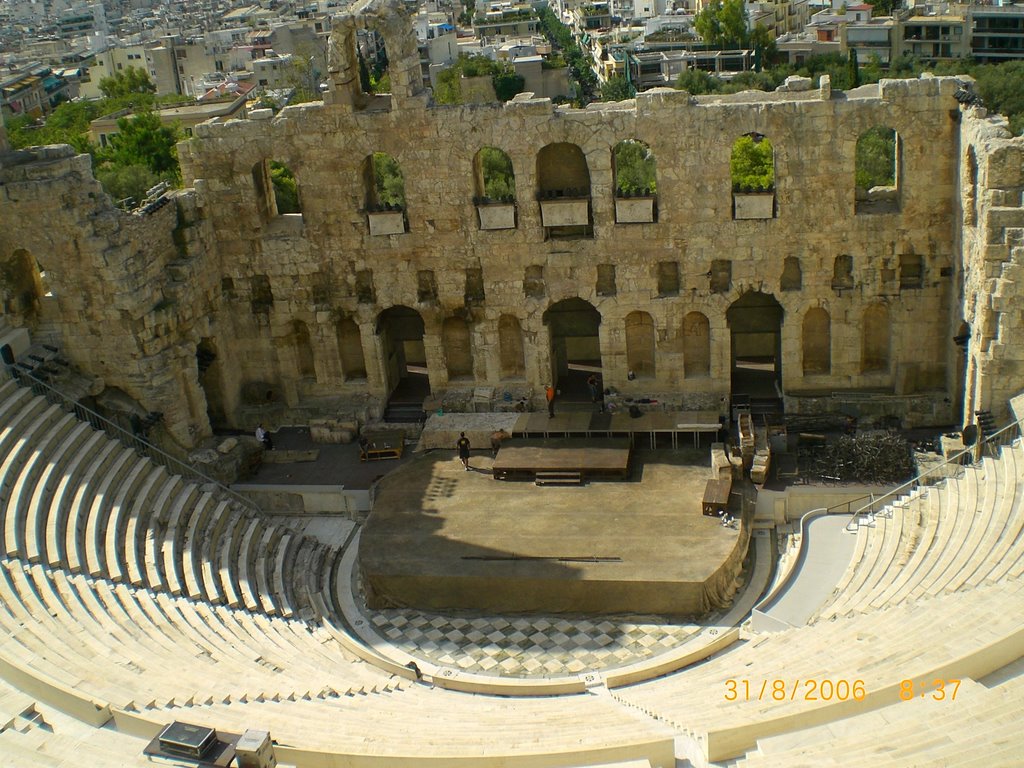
[
  {"x": 128, "y": 439},
  {"x": 987, "y": 445}
]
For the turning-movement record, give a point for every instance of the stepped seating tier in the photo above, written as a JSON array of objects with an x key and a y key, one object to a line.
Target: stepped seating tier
[
  {"x": 73, "y": 498},
  {"x": 980, "y": 632},
  {"x": 920, "y": 731},
  {"x": 962, "y": 533}
]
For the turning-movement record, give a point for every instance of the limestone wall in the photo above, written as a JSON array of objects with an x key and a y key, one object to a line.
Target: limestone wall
[
  {"x": 326, "y": 265},
  {"x": 992, "y": 278},
  {"x": 119, "y": 293}
]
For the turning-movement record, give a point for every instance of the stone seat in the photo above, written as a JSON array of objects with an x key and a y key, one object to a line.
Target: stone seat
[
  {"x": 980, "y": 633},
  {"x": 918, "y": 731},
  {"x": 961, "y": 534},
  {"x": 65, "y": 530},
  {"x": 128, "y": 497},
  {"x": 49, "y": 450}
]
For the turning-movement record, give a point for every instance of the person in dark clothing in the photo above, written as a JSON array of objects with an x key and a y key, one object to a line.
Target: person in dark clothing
[
  {"x": 463, "y": 447},
  {"x": 549, "y": 393},
  {"x": 595, "y": 389}
]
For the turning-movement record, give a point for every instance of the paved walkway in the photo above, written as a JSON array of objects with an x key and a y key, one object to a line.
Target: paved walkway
[{"x": 826, "y": 556}]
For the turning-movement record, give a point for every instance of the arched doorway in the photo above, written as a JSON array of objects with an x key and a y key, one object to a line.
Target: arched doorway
[
  {"x": 405, "y": 358},
  {"x": 755, "y": 329},
  {"x": 573, "y": 325}
]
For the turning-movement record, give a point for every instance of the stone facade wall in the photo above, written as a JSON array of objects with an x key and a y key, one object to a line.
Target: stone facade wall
[
  {"x": 312, "y": 262},
  {"x": 992, "y": 264},
  {"x": 217, "y": 305}
]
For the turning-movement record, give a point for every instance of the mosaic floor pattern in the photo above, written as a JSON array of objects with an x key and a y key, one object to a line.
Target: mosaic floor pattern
[{"x": 527, "y": 646}]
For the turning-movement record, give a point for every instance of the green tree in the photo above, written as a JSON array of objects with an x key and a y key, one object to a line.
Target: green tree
[
  {"x": 499, "y": 179},
  {"x": 617, "y": 88},
  {"x": 634, "y": 169},
  {"x": 507, "y": 83},
  {"x": 698, "y": 82},
  {"x": 127, "y": 182},
  {"x": 286, "y": 191},
  {"x": 752, "y": 164},
  {"x": 853, "y": 71},
  {"x": 387, "y": 178},
  {"x": 723, "y": 24},
  {"x": 766, "y": 52},
  {"x": 448, "y": 89},
  {"x": 876, "y": 158},
  {"x": 142, "y": 140},
  {"x": 129, "y": 82},
  {"x": 884, "y": 7},
  {"x": 503, "y": 76}
]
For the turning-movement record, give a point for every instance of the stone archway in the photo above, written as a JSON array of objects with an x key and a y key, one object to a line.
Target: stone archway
[
  {"x": 755, "y": 330},
  {"x": 404, "y": 360},
  {"x": 574, "y": 329}
]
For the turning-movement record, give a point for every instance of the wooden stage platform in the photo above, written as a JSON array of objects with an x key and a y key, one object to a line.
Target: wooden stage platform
[
  {"x": 590, "y": 458},
  {"x": 442, "y": 538},
  {"x": 655, "y": 424}
]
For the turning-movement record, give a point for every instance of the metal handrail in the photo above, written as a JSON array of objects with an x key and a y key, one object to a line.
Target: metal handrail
[
  {"x": 128, "y": 439},
  {"x": 1001, "y": 437}
]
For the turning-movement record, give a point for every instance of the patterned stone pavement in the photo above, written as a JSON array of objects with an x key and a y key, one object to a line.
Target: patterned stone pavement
[{"x": 526, "y": 646}]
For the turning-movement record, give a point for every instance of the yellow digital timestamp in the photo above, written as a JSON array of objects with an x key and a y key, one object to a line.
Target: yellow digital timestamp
[
  {"x": 779, "y": 689},
  {"x": 827, "y": 689}
]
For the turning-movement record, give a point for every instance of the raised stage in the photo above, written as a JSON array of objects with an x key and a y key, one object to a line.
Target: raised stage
[
  {"x": 440, "y": 538},
  {"x": 590, "y": 458}
]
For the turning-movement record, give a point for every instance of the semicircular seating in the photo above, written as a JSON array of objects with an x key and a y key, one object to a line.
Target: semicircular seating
[{"x": 155, "y": 599}]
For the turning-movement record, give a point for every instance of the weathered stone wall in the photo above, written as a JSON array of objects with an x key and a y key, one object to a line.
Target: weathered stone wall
[
  {"x": 124, "y": 292},
  {"x": 217, "y": 304},
  {"x": 992, "y": 264},
  {"x": 312, "y": 263}
]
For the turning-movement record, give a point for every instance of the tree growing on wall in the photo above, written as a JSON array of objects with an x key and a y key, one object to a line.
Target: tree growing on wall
[
  {"x": 634, "y": 169},
  {"x": 499, "y": 179},
  {"x": 388, "y": 181},
  {"x": 504, "y": 79},
  {"x": 876, "y": 158},
  {"x": 752, "y": 164},
  {"x": 286, "y": 191}
]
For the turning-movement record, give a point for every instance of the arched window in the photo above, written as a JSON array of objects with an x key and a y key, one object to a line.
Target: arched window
[
  {"x": 877, "y": 175},
  {"x": 563, "y": 188},
  {"x": 817, "y": 342},
  {"x": 495, "y": 185},
  {"x": 696, "y": 345},
  {"x": 562, "y": 172},
  {"x": 303, "y": 350},
  {"x": 876, "y": 340},
  {"x": 21, "y": 285},
  {"x": 458, "y": 348},
  {"x": 636, "y": 184},
  {"x": 385, "y": 194},
  {"x": 495, "y": 179},
  {"x": 640, "y": 347},
  {"x": 350, "y": 350},
  {"x": 510, "y": 347},
  {"x": 752, "y": 170}
]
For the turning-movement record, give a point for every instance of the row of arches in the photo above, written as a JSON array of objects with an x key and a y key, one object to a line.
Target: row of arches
[
  {"x": 574, "y": 337},
  {"x": 562, "y": 172}
]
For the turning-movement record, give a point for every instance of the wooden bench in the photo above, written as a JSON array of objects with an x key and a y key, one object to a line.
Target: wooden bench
[{"x": 385, "y": 444}]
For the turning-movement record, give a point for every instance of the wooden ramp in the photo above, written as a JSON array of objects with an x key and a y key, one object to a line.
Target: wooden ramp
[{"x": 539, "y": 460}]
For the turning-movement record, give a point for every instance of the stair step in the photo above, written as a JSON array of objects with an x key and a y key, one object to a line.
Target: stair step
[{"x": 558, "y": 478}]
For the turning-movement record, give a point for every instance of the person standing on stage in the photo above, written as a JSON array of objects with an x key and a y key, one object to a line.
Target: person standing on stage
[
  {"x": 549, "y": 393},
  {"x": 463, "y": 446},
  {"x": 593, "y": 387}
]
